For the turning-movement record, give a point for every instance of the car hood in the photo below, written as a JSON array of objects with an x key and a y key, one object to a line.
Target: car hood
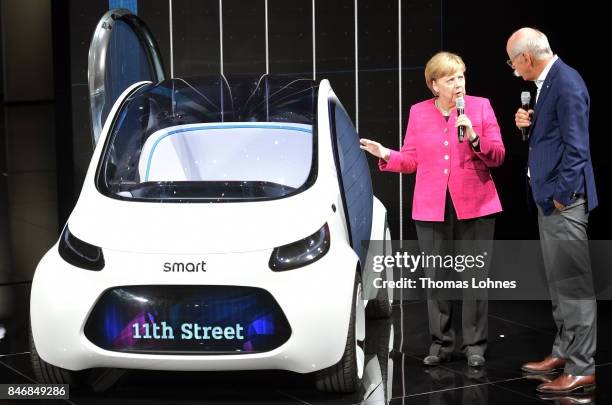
[{"x": 195, "y": 228}]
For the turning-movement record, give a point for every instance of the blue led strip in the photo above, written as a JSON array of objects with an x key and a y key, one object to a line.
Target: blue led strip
[
  {"x": 233, "y": 126},
  {"x": 131, "y": 5}
]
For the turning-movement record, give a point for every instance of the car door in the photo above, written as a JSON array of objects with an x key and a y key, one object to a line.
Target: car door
[
  {"x": 122, "y": 52},
  {"x": 354, "y": 178}
]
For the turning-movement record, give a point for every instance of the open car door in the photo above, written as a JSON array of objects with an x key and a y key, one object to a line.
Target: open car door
[{"x": 122, "y": 52}]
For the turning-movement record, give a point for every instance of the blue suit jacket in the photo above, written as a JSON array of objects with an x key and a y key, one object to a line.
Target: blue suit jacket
[{"x": 559, "y": 155}]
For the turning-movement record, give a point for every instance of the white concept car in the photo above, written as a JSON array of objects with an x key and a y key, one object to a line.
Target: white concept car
[{"x": 222, "y": 225}]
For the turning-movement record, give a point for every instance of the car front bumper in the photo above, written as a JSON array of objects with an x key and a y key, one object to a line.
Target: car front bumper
[{"x": 316, "y": 301}]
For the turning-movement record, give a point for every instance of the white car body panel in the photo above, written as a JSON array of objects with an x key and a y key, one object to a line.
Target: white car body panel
[{"x": 236, "y": 241}]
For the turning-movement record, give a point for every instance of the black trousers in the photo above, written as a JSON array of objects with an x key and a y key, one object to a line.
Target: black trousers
[{"x": 454, "y": 237}]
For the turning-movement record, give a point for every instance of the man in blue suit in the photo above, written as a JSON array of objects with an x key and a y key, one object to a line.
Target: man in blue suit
[{"x": 563, "y": 187}]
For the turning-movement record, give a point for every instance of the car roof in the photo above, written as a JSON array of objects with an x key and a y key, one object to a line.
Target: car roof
[{"x": 244, "y": 98}]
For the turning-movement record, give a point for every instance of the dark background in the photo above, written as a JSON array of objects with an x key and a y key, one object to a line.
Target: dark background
[
  {"x": 476, "y": 30},
  {"x": 45, "y": 150}
]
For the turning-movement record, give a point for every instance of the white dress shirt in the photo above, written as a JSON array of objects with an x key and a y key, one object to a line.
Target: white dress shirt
[{"x": 539, "y": 82}]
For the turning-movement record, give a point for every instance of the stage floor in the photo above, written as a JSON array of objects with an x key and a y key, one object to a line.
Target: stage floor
[{"x": 518, "y": 332}]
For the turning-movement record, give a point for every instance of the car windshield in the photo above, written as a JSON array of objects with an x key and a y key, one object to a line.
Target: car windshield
[{"x": 206, "y": 140}]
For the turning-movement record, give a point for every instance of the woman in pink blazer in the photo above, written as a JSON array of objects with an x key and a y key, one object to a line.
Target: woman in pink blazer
[{"x": 454, "y": 195}]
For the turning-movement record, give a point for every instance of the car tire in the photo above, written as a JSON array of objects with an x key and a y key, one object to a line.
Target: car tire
[
  {"x": 345, "y": 376},
  {"x": 46, "y": 373},
  {"x": 380, "y": 344},
  {"x": 381, "y": 306}
]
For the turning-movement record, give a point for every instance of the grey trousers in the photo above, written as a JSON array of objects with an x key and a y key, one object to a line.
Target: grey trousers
[
  {"x": 453, "y": 237},
  {"x": 567, "y": 265}
]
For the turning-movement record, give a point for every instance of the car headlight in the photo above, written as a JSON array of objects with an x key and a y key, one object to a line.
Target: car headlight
[
  {"x": 78, "y": 253},
  {"x": 302, "y": 252}
]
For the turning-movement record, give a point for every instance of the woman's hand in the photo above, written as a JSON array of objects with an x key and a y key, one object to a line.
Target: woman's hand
[
  {"x": 464, "y": 121},
  {"x": 375, "y": 149}
]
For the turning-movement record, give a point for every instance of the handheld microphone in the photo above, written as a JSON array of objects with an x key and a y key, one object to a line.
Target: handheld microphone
[
  {"x": 460, "y": 104},
  {"x": 525, "y": 100}
]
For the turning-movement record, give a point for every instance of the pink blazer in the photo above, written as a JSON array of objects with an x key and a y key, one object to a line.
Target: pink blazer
[{"x": 431, "y": 148}]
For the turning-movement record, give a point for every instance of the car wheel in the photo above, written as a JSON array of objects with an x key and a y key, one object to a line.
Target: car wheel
[
  {"x": 379, "y": 345},
  {"x": 381, "y": 306},
  {"x": 346, "y": 375},
  {"x": 49, "y": 374}
]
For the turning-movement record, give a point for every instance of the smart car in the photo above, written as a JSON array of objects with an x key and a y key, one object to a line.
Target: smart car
[{"x": 223, "y": 224}]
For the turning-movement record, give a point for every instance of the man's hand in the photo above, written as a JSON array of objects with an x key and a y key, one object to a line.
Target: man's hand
[
  {"x": 558, "y": 205},
  {"x": 522, "y": 118}
]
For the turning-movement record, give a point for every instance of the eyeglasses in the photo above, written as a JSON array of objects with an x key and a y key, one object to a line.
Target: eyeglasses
[{"x": 510, "y": 62}]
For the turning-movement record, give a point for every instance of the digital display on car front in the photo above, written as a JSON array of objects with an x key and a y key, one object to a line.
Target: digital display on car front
[{"x": 187, "y": 320}]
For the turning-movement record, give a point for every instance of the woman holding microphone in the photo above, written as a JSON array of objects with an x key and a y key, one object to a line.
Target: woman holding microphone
[{"x": 454, "y": 195}]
